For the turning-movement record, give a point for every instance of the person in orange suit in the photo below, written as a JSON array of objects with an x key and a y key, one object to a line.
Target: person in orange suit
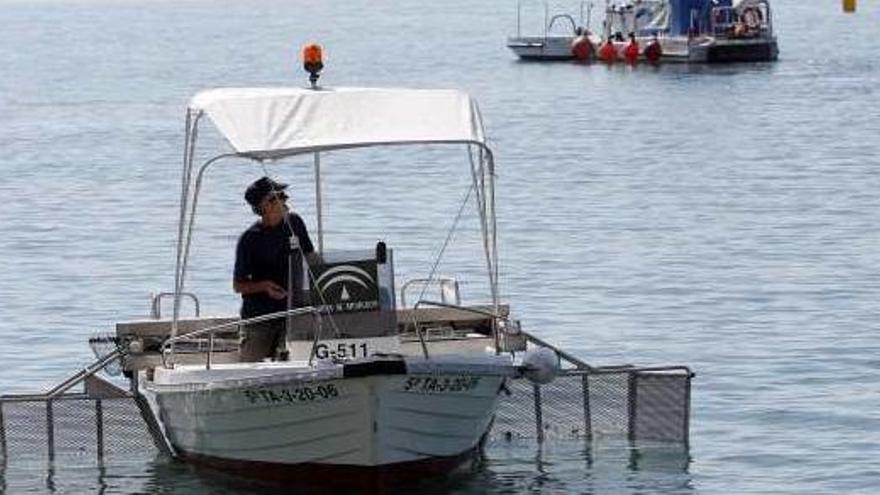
[
  {"x": 608, "y": 52},
  {"x": 631, "y": 52}
]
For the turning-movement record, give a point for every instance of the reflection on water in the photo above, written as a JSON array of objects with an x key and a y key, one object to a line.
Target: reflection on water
[
  {"x": 606, "y": 464},
  {"x": 506, "y": 467}
]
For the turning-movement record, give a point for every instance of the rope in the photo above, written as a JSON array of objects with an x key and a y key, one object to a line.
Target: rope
[
  {"x": 442, "y": 250},
  {"x": 311, "y": 274}
]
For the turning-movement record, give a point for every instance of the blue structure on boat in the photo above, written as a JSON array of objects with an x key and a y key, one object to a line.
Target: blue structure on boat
[
  {"x": 698, "y": 30},
  {"x": 692, "y": 16}
]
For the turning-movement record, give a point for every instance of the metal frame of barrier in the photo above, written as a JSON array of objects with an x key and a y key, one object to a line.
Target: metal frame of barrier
[
  {"x": 639, "y": 403},
  {"x": 103, "y": 421},
  {"x": 636, "y": 403}
]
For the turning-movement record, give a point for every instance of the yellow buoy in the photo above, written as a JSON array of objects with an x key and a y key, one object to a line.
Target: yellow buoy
[{"x": 849, "y": 5}]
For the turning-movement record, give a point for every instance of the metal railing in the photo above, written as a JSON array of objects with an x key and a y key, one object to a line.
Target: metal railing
[
  {"x": 156, "y": 303},
  {"x": 577, "y": 363},
  {"x": 86, "y": 372},
  {"x": 548, "y": 21},
  {"x": 417, "y": 324},
  {"x": 449, "y": 289},
  {"x": 752, "y": 20},
  {"x": 168, "y": 345}
]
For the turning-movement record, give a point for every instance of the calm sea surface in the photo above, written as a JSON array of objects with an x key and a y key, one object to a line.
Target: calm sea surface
[{"x": 722, "y": 217}]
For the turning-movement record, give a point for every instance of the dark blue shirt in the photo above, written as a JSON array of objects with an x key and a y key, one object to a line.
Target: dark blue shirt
[{"x": 262, "y": 254}]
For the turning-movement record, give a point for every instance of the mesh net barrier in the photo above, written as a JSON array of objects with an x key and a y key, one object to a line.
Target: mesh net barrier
[
  {"x": 126, "y": 432},
  {"x": 75, "y": 429},
  {"x": 658, "y": 411},
  {"x": 628, "y": 403},
  {"x": 66, "y": 431},
  {"x": 24, "y": 432},
  {"x": 640, "y": 405},
  {"x": 609, "y": 403}
]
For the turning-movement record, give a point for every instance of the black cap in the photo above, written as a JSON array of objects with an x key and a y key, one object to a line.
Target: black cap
[{"x": 261, "y": 188}]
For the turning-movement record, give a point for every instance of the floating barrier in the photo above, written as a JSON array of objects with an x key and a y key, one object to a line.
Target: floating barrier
[
  {"x": 104, "y": 423},
  {"x": 582, "y": 49}
]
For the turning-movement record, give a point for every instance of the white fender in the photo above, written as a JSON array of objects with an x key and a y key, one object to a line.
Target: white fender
[{"x": 541, "y": 365}]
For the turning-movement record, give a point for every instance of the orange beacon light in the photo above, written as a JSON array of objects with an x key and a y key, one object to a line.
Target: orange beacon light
[{"x": 312, "y": 62}]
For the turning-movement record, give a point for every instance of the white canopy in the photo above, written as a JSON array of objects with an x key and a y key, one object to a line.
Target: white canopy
[{"x": 276, "y": 122}]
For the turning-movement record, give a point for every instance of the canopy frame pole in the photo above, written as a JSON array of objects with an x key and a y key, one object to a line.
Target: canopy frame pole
[
  {"x": 186, "y": 178},
  {"x": 187, "y": 222},
  {"x": 482, "y": 173},
  {"x": 488, "y": 167},
  {"x": 487, "y": 157},
  {"x": 319, "y": 203},
  {"x": 189, "y": 192}
]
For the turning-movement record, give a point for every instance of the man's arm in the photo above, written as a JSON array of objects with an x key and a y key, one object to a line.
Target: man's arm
[
  {"x": 241, "y": 278},
  {"x": 245, "y": 287}
]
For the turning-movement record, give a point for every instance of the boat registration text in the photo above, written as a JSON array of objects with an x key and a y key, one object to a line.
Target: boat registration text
[
  {"x": 343, "y": 348},
  {"x": 440, "y": 384},
  {"x": 291, "y": 395}
]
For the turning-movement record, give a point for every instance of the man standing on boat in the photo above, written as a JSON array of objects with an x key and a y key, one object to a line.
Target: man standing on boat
[{"x": 263, "y": 257}]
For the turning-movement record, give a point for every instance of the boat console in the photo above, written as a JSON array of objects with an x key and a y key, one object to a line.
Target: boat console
[{"x": 353, "y": 292}]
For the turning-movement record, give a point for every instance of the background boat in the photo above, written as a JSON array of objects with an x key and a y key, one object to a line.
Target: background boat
[{"x": 559, "y": 32}]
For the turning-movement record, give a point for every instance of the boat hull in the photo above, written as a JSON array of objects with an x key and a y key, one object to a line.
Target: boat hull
[
  {"x": 763, "y": 51},
  {"x": 367, "y": 422},
  {"x": 674, "y": 49},
  {"x": 364, "y": 479},
  {"x": 720, "y": 50},
  {"x": 549, "y": 48}
]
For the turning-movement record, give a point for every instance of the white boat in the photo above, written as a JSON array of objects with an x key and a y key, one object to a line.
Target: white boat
[
  {"x": 554, "y": 42},
  {"x": 373, "y": 421},
  {"x": 370, "y": 393}
]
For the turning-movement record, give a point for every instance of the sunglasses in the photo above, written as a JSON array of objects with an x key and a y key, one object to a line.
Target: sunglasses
[{"x": 280, "y": 197}]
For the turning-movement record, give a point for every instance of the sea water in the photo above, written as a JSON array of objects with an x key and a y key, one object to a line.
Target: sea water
[{"x": 721, "y": 217}]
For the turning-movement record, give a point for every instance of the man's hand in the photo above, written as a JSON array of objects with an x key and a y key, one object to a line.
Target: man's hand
[
  {"x": 274, "y": 290},
  {"x": 269, "y": 287}
]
